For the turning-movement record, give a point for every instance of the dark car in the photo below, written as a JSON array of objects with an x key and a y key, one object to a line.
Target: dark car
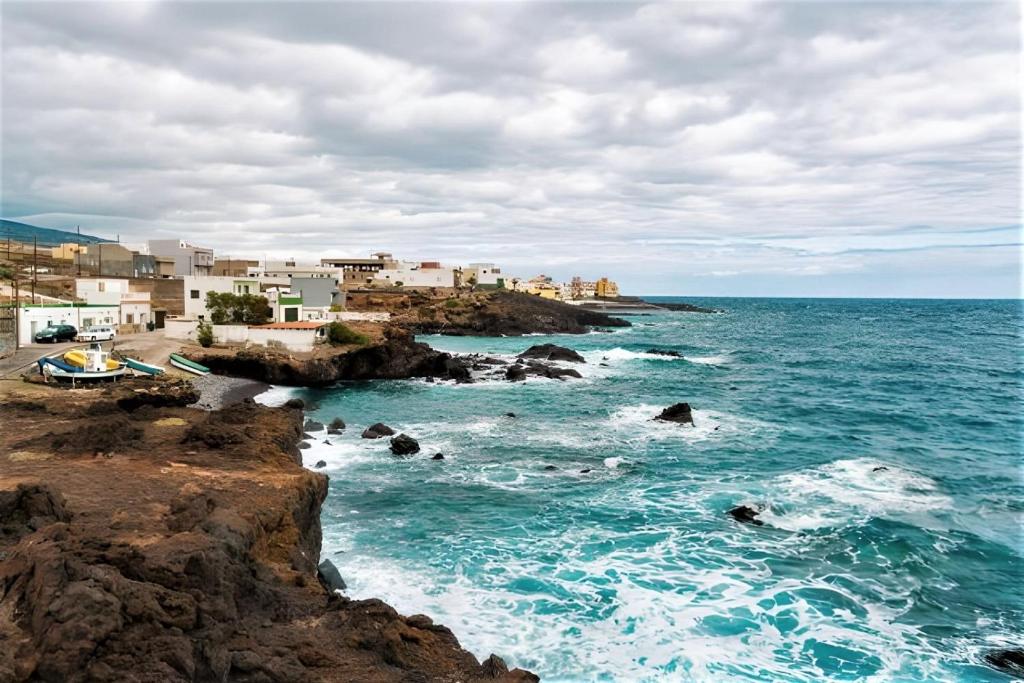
[{"x": 56, "y": 333}]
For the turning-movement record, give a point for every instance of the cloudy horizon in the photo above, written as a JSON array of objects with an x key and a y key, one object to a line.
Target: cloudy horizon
[{"x": 796, "y": 149}]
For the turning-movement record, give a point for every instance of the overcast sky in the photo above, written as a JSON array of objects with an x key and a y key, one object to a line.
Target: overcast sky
[{"x": 729, "y": 148}]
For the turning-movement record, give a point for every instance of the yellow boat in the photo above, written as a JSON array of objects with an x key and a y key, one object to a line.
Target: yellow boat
[{"x": 77, "y": 358}]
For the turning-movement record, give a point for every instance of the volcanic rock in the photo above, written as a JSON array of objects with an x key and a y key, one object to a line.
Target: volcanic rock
[
  {"x": 320, "y": 464},
  {"x": 377, "y": 431},
  {"x": 437, "y": 456},
  {"x": 336, "y": 426},
  {"x": 515, "y": 373},
  {"x": 330, "y": 577},
  {"x": 404, "y": 445},
  {"x": 746, "y": 514},
  {"x": 313, "y": 426},
  {"x": 1010, "y": 661},
  {"x": 679, "y": 412},
  {"x": 552, "y": 352},
  {"x": 295, "y": 404},
  {"x": 665, "y": 352}
]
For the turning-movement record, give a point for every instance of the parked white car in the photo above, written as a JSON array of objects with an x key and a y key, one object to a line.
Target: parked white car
[{"x": 97, "y": 333}]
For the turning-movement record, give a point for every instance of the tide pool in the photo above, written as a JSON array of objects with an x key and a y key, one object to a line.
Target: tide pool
[{"x": 884, "y": 437}]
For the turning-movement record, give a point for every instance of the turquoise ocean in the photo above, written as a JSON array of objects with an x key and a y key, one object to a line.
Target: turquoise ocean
[{"x": 622, "y": 565}]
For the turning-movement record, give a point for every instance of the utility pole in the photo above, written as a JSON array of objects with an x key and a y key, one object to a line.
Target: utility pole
[
  {"x": 17, "y": 313},
  {"x": 99, "y": 254},
  {"x": 35, "y": 265},
  {"x": 78, "y": 251}
]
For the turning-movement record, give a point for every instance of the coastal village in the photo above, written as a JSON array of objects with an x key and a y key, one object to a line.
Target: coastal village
[{"x": 173, "y": 285}]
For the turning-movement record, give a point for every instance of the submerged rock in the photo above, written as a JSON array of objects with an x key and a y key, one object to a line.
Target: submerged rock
[
  {"x": 303, "y": 445},
  {"x": 330, "y": 577},
  {"x": 665, "y": 352},
  {"x": 404, "y": 444},
  {"x": 336, "y": 426},
  {"x": 320, "y": 464},
  {"x": 552, "y": 352},
  {"x": 746, "y": 514},
  {"x": 377, "y": 431},
  {"x": 1010, "y": 661},
  {"x": 437, "y": 456},
  {"x": 679, "y": 412},
  {"x": 313, "y": 426},
  {"x": 510, "y": 414},
  {"x": 880, "y": 468},
  {"x": 550, "y": 467}
]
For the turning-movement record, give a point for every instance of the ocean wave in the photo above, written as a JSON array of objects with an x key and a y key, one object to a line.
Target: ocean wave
[
  {"x": 708, "y": 360},
  {"x": 276, "y": 396},
  {"x": 620, "y": 354},
  {"x": 849, "y": 490}
]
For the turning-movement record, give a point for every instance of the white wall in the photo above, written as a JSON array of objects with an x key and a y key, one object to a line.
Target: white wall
[
  {"x": 293, "y": 340},
  {"x": 141, "y": 313},
  {"x": 31, "y": 319},
  {"x": 106, "y": 291},
  {"x": 414, "y": 276}
]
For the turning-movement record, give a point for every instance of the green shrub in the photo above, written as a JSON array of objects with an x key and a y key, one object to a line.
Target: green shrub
[
  {"x": 204, "y": 335},
  {"x": 340, "y": 334},
  {"x": 451, "y": 303}
]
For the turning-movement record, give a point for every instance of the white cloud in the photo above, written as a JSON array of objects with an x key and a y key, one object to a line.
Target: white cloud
[{"x": 547, "y": 136}]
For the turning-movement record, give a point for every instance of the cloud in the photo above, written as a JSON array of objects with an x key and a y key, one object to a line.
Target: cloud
[{"x": 658, "y": 143}]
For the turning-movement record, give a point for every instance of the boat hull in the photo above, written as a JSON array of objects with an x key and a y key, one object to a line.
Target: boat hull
[
  {"x": 185, "y": 364},
  {"x": 146, "y": 368}
]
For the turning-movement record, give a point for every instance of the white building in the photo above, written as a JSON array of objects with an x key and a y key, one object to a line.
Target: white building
[
  {"x": 423, "y": 274},
  {"x": 34, "y": 317},
  {"x": 485, "y": 275},
  {"x": 135, "y": 307},
  {"x": 188, "y": 258},
  {"x": 197, "y": 287}
]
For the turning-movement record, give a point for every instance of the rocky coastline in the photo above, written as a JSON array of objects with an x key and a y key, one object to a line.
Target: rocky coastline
[
  {"x": 504, "y": 314},
  {"x": 142, "y": 539}
]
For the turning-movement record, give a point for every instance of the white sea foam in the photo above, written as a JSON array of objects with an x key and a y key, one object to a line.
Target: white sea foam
[
  {"x": 276, "y": 396},
  {"x": 708, "y": 360},
  {"x": 849, "y": 490},
  {"x": 619, "y": 354},
  {"x": 637, "y": 423}
]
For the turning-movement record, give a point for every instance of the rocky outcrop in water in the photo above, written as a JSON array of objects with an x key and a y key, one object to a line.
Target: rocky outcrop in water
[
  {"x": 746, "y": 514},
  {"x": 403, "y": 444},
  {"x": 189, "y": 555},
  {"x": 552, "y": 352},
  {"x": 377, "y": 430},
  {"x": 397, "y": 357},
  {"x": 680, "y": 413},
  {"x": 1009, "y": 661}
]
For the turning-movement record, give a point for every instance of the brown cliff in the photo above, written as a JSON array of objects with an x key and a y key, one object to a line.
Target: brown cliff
[{"x": 145, "y": 541}]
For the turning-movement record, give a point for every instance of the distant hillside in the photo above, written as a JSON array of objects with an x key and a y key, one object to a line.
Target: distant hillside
[{"x": 48, "y": 237}]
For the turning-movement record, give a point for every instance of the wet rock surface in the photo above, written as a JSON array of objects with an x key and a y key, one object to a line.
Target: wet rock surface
[
  {"x": 193, "y": 556},
  {"x": 746, "y": 514},
  {"x": 1009, "y": 661},
  {"x": 403, "y": 444},
  {"x": 552, "y": 352},
  {"x": 377, "y": 431},
  {"x": 680, "y": 413}
]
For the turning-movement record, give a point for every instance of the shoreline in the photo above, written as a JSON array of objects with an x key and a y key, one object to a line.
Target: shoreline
[{"x": 190, "y": 540}]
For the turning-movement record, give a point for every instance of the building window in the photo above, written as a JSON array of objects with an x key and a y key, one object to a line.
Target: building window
[
  {"x": 129, "y": 318},
  {"x": 194, "y": 293}
]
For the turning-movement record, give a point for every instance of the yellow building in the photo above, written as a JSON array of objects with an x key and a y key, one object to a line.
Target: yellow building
[
  {"x": 66, "y": 251},
  {"x": 544, "y": 290},
  {"x": 606, "y": 288}
]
